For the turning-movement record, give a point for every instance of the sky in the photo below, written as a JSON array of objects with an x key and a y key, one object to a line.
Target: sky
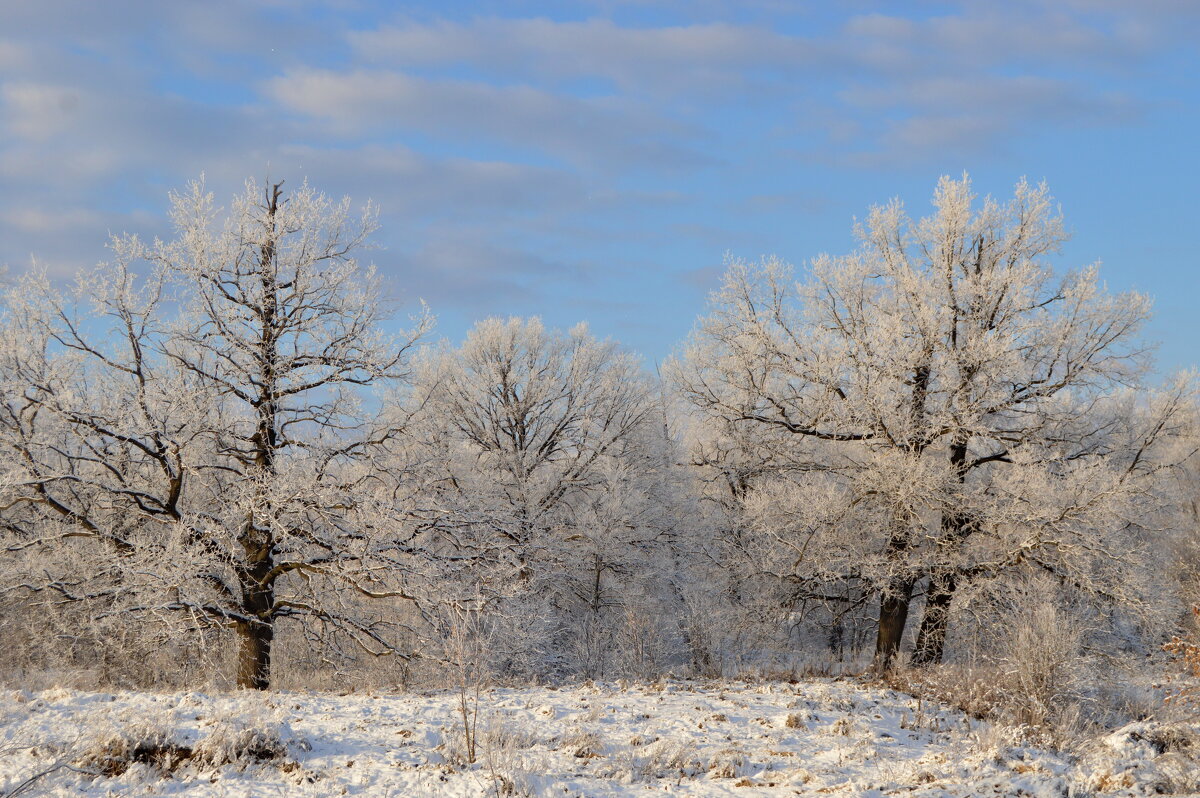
[{"x": 597, "y": 161}]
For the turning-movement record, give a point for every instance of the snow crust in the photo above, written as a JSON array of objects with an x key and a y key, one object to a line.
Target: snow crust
[{"x": 818, "y": 737}]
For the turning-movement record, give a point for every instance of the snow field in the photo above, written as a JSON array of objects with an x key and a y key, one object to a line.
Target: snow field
[{"x": 818, "y": 737}]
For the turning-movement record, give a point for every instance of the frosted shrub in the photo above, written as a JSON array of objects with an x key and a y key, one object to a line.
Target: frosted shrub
[
  {"x": 504, "y": 752},
  {"x": 1043, "y": 668},
  {"x": 504, "y": 736},
  {"x": 582, "y": 743},
  {"x": 231, "y": 742},
  {"x": 658, "y": 760},
  {"x": 1034, "y": 677},
  {"x": 728, "y": 764},
  {"x": 492, "y": 743}
]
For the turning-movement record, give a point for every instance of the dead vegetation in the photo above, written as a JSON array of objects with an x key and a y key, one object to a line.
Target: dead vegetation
[{"x": 113, "y": 752}]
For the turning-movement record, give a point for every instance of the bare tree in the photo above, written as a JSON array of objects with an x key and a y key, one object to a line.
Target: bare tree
[{"x": 192, "y": 444}]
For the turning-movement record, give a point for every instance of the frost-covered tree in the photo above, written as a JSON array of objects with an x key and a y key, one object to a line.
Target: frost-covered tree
[
  {"x": 191, "y": 444},
  {"x": 742, "y": 590},
  {"x": 547, "y": 461},
  {"x": 963, "y": 398}
]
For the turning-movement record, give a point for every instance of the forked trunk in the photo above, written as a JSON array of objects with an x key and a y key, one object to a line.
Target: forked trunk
[
  {"x": 957, "y": 526},
  {"x": 893, "y": 604}
]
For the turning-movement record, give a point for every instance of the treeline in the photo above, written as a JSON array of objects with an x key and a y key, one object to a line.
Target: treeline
[{"x": 221, "y": 461}]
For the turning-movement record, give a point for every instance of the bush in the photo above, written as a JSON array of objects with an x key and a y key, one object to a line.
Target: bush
[
  {"x": 1030, "y": 674},
  {"x": 234, "y": 742}
]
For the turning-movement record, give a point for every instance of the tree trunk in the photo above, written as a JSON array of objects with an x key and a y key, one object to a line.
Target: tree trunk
[
  {"x": 258, "y": 588},
  {"x": 837, "y": 638},
  {"x": 893, "y": 604},
  {"x": 956, "y": 527},
  {"x": 254, "y": 655},
  {"x": 893, "y": 615},
  {"x": 931, "y": 638}
]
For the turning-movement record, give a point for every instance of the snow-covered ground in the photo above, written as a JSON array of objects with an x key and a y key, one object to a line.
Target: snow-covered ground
[{"x": 819, "y": 737}]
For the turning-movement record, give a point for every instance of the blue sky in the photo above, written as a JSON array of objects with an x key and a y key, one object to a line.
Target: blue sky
[{"x": 596, "y": 160}]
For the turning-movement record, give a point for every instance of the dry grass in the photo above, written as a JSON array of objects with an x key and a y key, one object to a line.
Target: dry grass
[
  {"x": 728, "y": 764},
  {"x": 1187, "y": 653},
  {"x": 113, "y": 753},
  {"x": 1047, "y": 711},
  {"x": 583, "y": 744},
  {"x": 235, "y": 743}
]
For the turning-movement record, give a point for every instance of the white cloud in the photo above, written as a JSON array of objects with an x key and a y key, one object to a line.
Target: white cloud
[
  {"x": 881, "y": 81},
  {"x": 14, "y": 55},
  {"x": 46, "y": 220},
  {"x": 691, "y": 58},
  {"x": 585, "y": 131},
  {"x": 1021, "y": 97},
  {"x": 467, "y": 267},
  {"x": 986, "y": 35},
  {"x": 38, "y": 111},
  {"x": 410, "y": 185}
]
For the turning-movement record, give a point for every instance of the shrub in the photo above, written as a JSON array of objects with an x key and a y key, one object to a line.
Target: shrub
[{"x": 234, "y": 742}]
